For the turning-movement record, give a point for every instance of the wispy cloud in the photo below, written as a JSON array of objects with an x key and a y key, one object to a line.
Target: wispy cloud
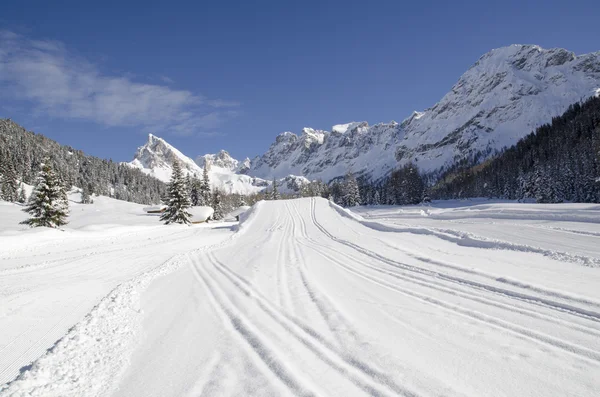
[{"x": 58, "y": 83}]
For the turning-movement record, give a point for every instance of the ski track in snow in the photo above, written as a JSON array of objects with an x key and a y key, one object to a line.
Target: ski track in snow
[{"x": 310, "y": 299}]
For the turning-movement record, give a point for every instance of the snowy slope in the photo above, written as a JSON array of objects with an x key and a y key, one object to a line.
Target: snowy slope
[
  {"x": 50, "y": 279},
  {"x": 156, "y": 158},
  {"x": 310, "y": 299},
  {"x": 505, "y": 95}
]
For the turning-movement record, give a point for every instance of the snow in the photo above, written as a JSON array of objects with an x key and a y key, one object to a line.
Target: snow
[
  {"x": 157, "y": 155},
  {"x": 50, "y": 279},
  {"x": 154, "y": 208},
  {"x": 201, "y": 214},
  {"x": 237, "y": 212},
  {"x": 479, "y": 298},
  {"x": 343, "y": 128}
]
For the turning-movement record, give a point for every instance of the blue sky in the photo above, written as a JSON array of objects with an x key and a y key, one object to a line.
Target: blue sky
[{"x": 233, "y": 74}]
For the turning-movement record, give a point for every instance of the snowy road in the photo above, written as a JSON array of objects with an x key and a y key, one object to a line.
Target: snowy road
[{"x": 306, "y": 301}]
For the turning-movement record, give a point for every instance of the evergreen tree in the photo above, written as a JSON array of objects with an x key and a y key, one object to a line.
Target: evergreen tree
[
  {"x": 86, "y": 197},
  {"x": 275, "y": 192},
  {"x": 22, "y": 195},
  {"x": 177, "y": 199},
  {"x": 195, "y": 196},
  {"x": 48, "y": 204},
  {"x": 10, "y": 187},
  {"x": 217, "y": 205},
  {"x": 205, "y": 195},
  {"x": 376, "y": 198},
  {"x": 351, "y": 193}
]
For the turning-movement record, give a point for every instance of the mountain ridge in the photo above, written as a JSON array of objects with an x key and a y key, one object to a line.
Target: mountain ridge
[{"x": 505, "y": 95}]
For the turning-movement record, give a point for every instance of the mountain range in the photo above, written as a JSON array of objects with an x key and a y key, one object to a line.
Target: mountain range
[{"x": 503, "y": 97}]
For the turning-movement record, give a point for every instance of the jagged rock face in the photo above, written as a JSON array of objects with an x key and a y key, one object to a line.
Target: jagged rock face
[
  {"x": 221, "y": 159},
  {"x": 156, "y": 158},
  {"x": 504, "y": 96}
]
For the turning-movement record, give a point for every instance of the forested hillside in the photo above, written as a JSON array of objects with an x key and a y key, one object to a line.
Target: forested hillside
[
  {"x": 22, "y": 152},
  {"x": 558, "y": 162}
]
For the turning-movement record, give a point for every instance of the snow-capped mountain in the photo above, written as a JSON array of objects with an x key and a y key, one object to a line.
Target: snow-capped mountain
[
  {"x": 156, "y": 158},
  {"x": 222, "y": 159},
  {"x": 504, "y": 96}
]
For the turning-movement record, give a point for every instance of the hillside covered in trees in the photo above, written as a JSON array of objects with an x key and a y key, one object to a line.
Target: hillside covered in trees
[
  {"x": 558, "y": 162},
  {"x": 21, "y": 153}
]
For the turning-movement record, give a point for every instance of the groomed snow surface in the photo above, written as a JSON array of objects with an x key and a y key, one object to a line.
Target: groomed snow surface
[{"x": 472, "y": 298}]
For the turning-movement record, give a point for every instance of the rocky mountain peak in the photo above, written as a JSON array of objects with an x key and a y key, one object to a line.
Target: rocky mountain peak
[{"x": 505, "y": 95}]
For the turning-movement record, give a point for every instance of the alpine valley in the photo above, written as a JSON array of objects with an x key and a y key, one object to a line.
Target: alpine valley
[{"x": 504, "y": 96}]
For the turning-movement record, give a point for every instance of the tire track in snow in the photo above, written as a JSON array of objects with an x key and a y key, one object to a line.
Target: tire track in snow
[
  {"x": 580, "y": 351},
  {"x": 337, "y": 323},
  {"x": 535, "y": 336},
  {"x": 285, "y": 300},
  {"x": 441, "y": 287},
  {"x": 562, "y": 307},
  {"x": 250, "y": 335},
  {"x": 358, "y": 371}
]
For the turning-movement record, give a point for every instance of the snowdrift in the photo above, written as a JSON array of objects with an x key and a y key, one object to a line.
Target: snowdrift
[
  {"x": 201, "y": 214},
  {"x": 238, "y": 211}
]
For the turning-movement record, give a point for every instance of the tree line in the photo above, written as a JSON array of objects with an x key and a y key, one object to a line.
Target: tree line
[
  {"x": 557, "y": 162},
  {"x": 22, "y": 153}
]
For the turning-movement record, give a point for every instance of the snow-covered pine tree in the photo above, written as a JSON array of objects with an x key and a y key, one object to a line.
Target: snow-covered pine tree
[
  {"x": 275, "y": 192},
  {"x": 376, "y": 198},
  {"x": 351, "y": 193},
  {"x": 205, "y": 194},
  {"x": 22, "y": 195},
  {"x": 48, "y": 204},
  {"x": 10, "y": 187},
  {"x": 217, "y": 205},
  {"x": 195, "y": 197},
  {"x": 177, "y": 199},
  {"x": 86, "y": 195}
]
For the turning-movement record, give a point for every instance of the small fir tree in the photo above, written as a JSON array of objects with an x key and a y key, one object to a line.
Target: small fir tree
[
  {"x": 22, "y": 195},
  {"x": 217, "y": 205},
  {"x": 195, "y": 196},
  {"x": 205, "y": 195},
  {"x": 275, "y": 192},
  {"x": 48, "y": 204},
  {"x": 177, "y": 199}
]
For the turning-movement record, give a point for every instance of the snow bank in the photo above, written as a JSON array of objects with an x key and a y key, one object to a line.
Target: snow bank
[
  {"x": 95, "y": 351},
  {"x": 247, "y": 216},
  {"x": 346, "y": 213},
  {"x": 154, "y": 208},
  {"x": 201, "y": 214},
  {"x": 468, "y": 239},
  {"x": 238, "y": 211}
]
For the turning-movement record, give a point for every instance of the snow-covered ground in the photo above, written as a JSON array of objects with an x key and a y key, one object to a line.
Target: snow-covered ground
[
  {"x": 455, "y": 299},
  {"x": 50, "y": 279}
]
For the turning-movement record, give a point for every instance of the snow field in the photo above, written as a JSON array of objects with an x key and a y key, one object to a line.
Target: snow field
[
  {"x": 311, "y": 299},
  {"x": 306, "y": 302},
  {"x": 50, "y": 279}
]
